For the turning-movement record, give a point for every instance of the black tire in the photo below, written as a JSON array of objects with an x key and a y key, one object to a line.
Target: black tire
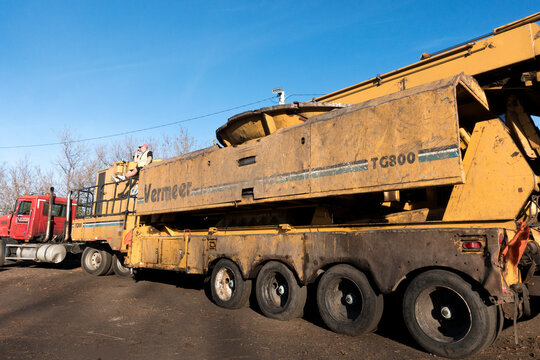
[
  {"x": 347, "y": 302},
  {"x": 111, "y": 269},
  {"x": 446, "y": 316},
  {"x": 278, "y": 293},
  {"x": 228, "y": 287},
  {"x": 96, "y": 262},
  {"x": 2, "y": 251},
  {"x": 500, "y": 324},
  {"x": 119, "y": 268}
]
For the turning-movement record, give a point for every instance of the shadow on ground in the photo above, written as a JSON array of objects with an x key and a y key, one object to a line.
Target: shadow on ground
[
  {"x": 71, "y": 262},
  {"x": 177, "y": 279},
  {"x": 391, "y": 325}
]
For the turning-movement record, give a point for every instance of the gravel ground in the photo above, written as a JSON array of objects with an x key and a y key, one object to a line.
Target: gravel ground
[{"x": 59, "y": 312}]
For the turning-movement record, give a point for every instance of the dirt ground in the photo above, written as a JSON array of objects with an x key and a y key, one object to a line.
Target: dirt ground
[{"x": 59, "y": 312}]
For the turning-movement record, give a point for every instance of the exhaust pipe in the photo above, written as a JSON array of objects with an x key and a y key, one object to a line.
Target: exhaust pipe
[
  {"x": 67, "y": 225},
  {"x": 48, "y": 234}
]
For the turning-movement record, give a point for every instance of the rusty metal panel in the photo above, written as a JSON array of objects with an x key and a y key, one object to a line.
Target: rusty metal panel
[
  {"x": 250, "y": 250},
  {"x": 368, "y": 250},
  {"x": 196, "y": 248},
  {"x": 419, "y": 248},
  {"x": 173, "y": 252},
  {"x": 258, "y": 123},
  {"x": 498, "y": 178},
  {"x": 178, "y": 182},
  {"x": 283, "y": 164},
  {"x": 400, "y": 141},
  {"x": 150, "y": 250},
  {"x": 112, "y": 198},
  {"x": 134, "y": 252},
  {"x": 409, "y": 142},
  {"x": 108, "y": 228}
]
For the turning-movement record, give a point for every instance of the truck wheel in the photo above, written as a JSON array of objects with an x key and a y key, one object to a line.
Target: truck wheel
[
  {"x": 446, "y": 316},
  {"x": 228, "y": 288},
  {"x": 119, "y": 268},
  {"x": 499, "y": 327},
  {"x": 278, "y": 293},
  {"x": 347, "y": 302},
  {"x": 2, "y": 251},
  {"x": 96, "y": 262}
]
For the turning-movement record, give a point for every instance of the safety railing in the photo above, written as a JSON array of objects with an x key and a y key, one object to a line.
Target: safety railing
[{"x": 97, "y": 200}]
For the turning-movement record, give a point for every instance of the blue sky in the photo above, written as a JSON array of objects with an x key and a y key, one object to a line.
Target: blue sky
[{"x": 104, "y": 67}]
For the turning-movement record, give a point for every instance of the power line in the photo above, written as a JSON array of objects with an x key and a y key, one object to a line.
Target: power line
[
  {"x": 288, "y": 96},
  {"x": 293, "y": 95},
  {"x": 138, "y": 130}
]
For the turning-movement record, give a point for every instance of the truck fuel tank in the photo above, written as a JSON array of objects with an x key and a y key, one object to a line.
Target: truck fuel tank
[{"x": 50, "y": 253}]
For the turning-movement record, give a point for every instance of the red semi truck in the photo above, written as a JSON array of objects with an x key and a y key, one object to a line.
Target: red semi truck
[{"x": 37, "y": 229}]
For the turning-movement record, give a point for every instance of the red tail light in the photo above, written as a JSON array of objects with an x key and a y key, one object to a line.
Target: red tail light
[{"x": 471, "y": 245}]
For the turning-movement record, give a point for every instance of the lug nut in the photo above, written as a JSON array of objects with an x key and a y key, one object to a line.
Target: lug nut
[{"x": 446, "y": 313}]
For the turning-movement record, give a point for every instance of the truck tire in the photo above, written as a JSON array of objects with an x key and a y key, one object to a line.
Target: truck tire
[
  {"x": 499, "y": 327},
  {"x": 347, "y": 303},
  {"x": 2, "y": 251},
  {"x": 446, "y": 316},
  {"x": 228, "y": 287},
  {"x": 119, "y": 268},
  {"x": 96, "y": 262},
  {"x": 279, "y": 295}
]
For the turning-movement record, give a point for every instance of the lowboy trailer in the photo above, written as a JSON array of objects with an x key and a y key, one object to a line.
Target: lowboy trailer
[{"x": 423, "y": 181}]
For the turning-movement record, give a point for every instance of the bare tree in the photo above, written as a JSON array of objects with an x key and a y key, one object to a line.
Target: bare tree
[
  {"x": 4, "y": 202},
  {"x": 77, "y": 165},
  {"x": 173, "y": 144},
  {"x": 21, "y": 179},
  {"x": 176, "y": 144},
  {"x": 122, "y": 150},
  {"x": 163, "y": 147}
]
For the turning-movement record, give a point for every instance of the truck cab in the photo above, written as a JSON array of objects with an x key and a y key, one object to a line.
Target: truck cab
[{"x": 28, "y": 222}]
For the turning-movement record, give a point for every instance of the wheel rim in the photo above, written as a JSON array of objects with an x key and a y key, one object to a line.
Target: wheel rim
[
  {"x": 344, "y": 300},
  {"x": 443, "y": 314},
  {"x": 225, "y": 284},
  {"x": 276, "y": 290},
  {"x": 93, "y": 260}
]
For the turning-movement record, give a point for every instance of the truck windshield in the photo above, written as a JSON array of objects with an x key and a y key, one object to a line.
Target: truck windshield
[
  {"x": 24, "y": 208},
  {"x": 57, "y": 210}
]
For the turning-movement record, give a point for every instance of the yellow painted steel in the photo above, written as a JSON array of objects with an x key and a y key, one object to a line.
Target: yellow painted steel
[
  {"x": 399, "y": 141},
  {"x": 408, "y": 131},
  {"x": 185, "y": 250},
  {"x": 106, "y": 218},
  {"x": 498, "y": 178},
  {"x": 522, "y": 127},
  {"x": 107, "y": 228},
  {"x": 160, "y": 249},
  {"x": 509, "y": 45},
  {"x": 251, "y": 125},
  {"x": 121, "y": 167}
]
